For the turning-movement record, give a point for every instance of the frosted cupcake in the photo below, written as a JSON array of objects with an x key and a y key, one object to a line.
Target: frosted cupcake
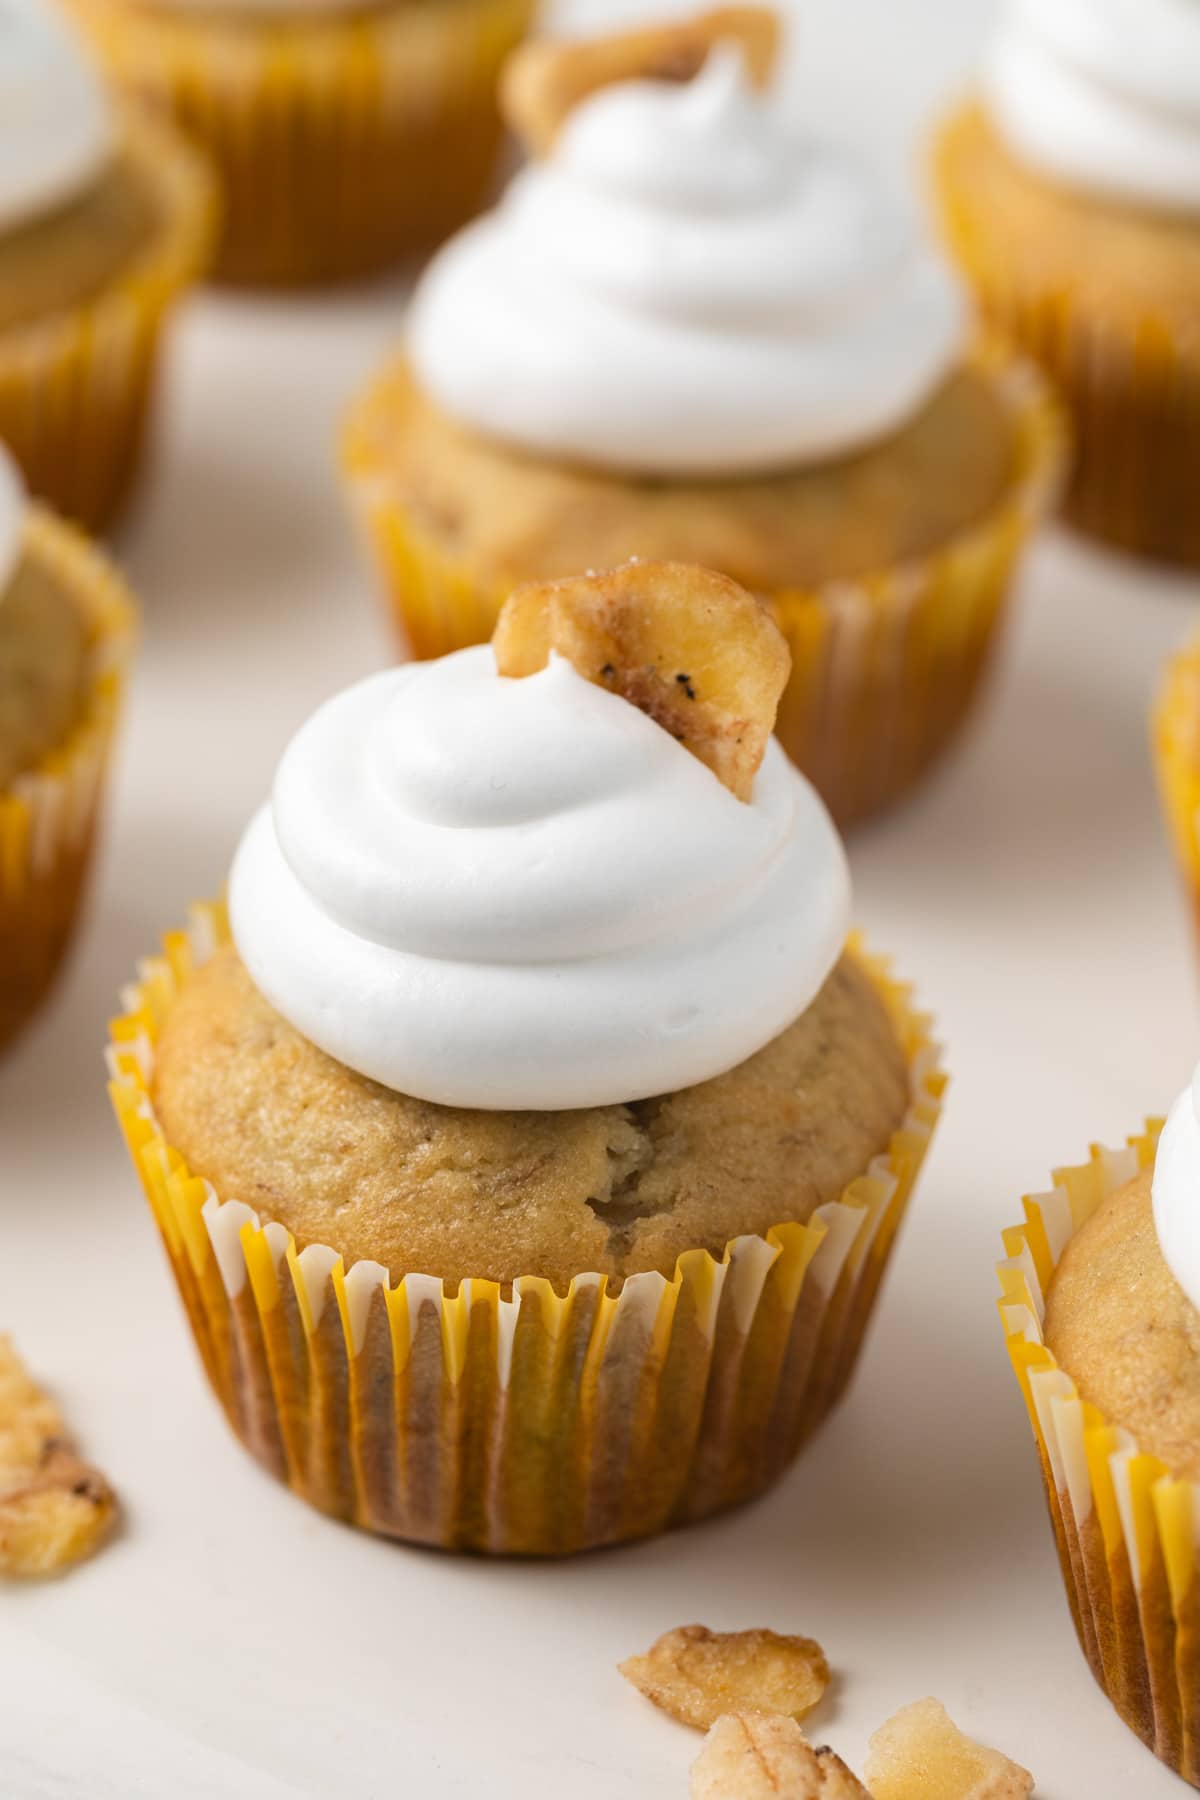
[
  {"x": 1070, "y": 189},
  {"x": 687, "y": 333},
  {"x": 347, "y": 133},
  {"x": 66, "y": 627},
  {"x": 1101, "y": 1299},
  {"x": 528, "y": 1141},
  {"x": 104, "y": 222}
]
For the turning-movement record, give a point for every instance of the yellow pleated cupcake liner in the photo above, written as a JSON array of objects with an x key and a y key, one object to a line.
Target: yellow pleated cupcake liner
[
  {"x": 1132, "y": 387},
  {"x": 885, "y": 668},
  {"x": 75, "y": 387},
  {"x": 1176, "y": 737},
  {"x": 517, "y": 1419},
  {"x": 344, "y": 141},
  {"x": 48, "y": 815},
  {"x": 1127, "y": 1531}
]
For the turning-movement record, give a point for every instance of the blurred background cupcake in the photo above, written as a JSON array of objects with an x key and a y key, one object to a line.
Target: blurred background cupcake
[
  {"x": 347, "y": 133},
  {"x": 1176, "y": 742},
  {"x": 1070, "y": 193},
  {"x": 577, "y": 1135},
  {"x": 105, "y": 220},
  {"x": 1101, "y": 1292},
  {"x": 66, "y": 630},
  {"x": 688, "y": 333}
]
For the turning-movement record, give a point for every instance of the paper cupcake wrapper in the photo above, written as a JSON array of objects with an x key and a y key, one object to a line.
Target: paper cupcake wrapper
[
  {"x": 48, "y": 815},
  {"x": 343, "y": 141},
  {"x": 1127, "y": 1531},
  {"x": 75, "y": 388},
  {"x": 1132, "y": 387},
  {"x": 885, "y": 669},
  {"x": 517, "y": 1419},
  {"x": 1176, "y": 736}
]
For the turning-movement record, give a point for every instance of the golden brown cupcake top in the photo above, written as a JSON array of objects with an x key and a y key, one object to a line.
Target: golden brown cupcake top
[
  {"x": 267, "y": 1118},
  {"x": 1134, "y": 262},
  {"x": 1121, "y": 1326},
  {"x": 502, "y": 511},
  {"x": 66, "y": 257}
]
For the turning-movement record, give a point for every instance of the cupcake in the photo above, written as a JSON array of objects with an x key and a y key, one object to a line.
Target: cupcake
[
  {"x": 66, "y": 629},
  {"x": 526, "y": 1137},
  {"x": 1070, "y": 192},
  {"x": 1176, "y": 737},
  {"x": 1101, "y": 1297},
  {"x": 687, "y": 334},
  {"x": 347, "y": 133},
  {"x": 105, "y": 219}
]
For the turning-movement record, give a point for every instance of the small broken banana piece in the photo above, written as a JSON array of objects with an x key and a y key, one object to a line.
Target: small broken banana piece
[
  {"x": 54, "y": 1509},
  {"x": 690, "y": 648},
  {"x": 547, "y": 78},
  {"x": 920, "y": 1754},
  {"x": 698, "y": 1675},
  {"x": 763, "y": 1756}
]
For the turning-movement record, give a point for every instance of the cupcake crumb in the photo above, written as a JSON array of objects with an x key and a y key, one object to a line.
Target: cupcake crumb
[
  {"x": 697, "y": 1675},
  {"x": 54, "y": 1509}
]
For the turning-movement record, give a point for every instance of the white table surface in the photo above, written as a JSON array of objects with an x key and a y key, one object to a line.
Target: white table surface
[{"x": 234, "y": 1643}]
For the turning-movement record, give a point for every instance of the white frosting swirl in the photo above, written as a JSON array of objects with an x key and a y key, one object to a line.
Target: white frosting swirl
[
  {"x": 56, "y": 131},
  {"x": 1104, "y": 95},
  {"x": 684, "y": 288},
  {"x": 14, "y": 504},
  {"x": 1176, "y": 1191},
  {"x": 525, "y": 894}
]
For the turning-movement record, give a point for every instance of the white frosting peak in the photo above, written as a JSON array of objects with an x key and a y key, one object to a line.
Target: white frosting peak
[
  {"x": 525, "y": 894},
  {"x": 1104, "y": 95},
  {"x": 682, "y": 287},
  {"x": 13, "y": 506},
  {"x": 1176, "y": 1191},
  {"x": 56, "y": 131}
]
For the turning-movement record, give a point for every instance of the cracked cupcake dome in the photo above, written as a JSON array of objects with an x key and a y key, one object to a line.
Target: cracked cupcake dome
[
  {"x": 688, "y": 647},
  {"x": 545, "y": 80}
]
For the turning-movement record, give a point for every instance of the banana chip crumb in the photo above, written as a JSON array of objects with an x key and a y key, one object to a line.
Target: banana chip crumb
[
  {"x": 546, "y": 79},
  {"x": 697, "y": 1675},
  {"x": 690, "y": 648},
  {"x": 764, "y": 1756},
  {"x": 920, "y": 1754},
  {"x": 54, "y": 1509}
]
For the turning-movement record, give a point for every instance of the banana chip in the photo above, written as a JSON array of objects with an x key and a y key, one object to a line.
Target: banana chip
[
  {"x": 54, "y": 1509},
  {"x": 690, "y": 648}
]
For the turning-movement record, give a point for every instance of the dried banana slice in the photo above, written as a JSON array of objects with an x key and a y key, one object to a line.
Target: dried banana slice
[
  {"x": 764, "y": 1756},
  {"x": 920, "y": 1754},
  {"x": 546, "y": 79},
  {"x": 54, "y": 1509},
  {"x": 690, "y": 648},
  {"x": 698, "y": 1675}
]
